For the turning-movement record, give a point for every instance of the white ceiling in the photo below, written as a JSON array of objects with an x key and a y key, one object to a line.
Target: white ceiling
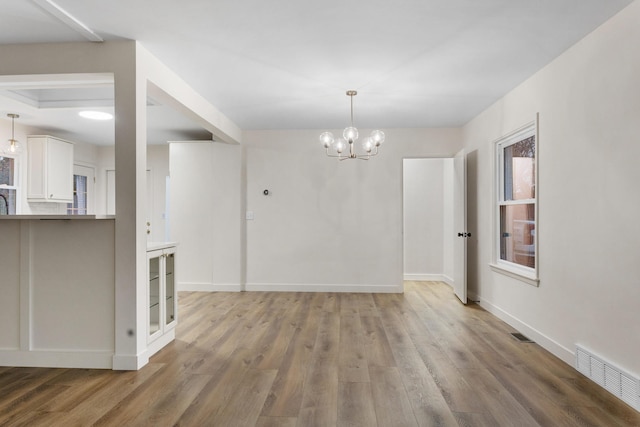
[{"x": 286, "y": 64}]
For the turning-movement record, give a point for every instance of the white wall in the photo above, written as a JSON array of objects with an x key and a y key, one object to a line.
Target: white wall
[
  {"x": 423, "y": 204},
  {"x": 158, "y": 165},
  {"x": 206, "y": 216},
  {"x": 589, "y": 105},
  {"x": 329, "y": 225}
]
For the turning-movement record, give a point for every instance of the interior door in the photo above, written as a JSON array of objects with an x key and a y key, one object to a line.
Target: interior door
[{"x": 460, "y": 227}]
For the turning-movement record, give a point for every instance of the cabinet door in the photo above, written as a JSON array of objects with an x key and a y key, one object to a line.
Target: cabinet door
[
  {"x": 36, "y": 167},
  {"x": 171, "y": 307},
  {"x": 154, "y": 278},
  {"x": 59, "y": 170}
]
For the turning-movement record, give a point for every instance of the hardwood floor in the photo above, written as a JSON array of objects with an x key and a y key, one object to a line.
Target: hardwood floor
[{"x": 323, "y": 359}]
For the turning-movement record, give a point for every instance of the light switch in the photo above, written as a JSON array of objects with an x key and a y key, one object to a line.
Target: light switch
[{"x": 249, "y": 215}]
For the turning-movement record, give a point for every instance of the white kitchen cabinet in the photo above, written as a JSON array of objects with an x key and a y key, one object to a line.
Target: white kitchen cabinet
[
  {"x": 162, "y": 297},
  {"x": 49, "y": 169}
]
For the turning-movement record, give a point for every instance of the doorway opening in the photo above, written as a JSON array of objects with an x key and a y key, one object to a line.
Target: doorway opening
[{"x": 434, "y": 221}]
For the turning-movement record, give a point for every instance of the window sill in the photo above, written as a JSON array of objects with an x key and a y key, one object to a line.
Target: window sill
[{"x": 521, "y": 276}]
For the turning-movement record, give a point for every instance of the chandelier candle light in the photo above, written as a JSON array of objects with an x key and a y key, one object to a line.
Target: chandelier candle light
[{"x": 350, "y": 135}]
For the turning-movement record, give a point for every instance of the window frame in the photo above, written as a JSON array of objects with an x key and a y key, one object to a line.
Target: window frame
[
  {"x": 517, "y": 271},
  {"x": 16, "y": 180}
]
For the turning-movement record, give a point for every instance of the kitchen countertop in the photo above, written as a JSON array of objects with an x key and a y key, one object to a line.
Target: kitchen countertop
[
  {"x": 55, "y": 217},
  {"x": 152, "y": 246}
]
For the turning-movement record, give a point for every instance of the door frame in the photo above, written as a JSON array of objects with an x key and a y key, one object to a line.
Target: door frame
[{"x": 463, "y": 297}]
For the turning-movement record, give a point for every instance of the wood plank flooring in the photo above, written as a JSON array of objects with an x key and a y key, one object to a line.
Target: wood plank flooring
[{"x": 323, "y": 359}]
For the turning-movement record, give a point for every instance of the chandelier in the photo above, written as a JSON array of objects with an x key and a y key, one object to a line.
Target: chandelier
[
  {"x": 13, "y": 146},
  {"x": 349, "y": 136}
]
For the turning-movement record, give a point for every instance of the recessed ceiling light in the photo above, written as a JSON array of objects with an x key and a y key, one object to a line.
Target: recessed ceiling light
[{"x": 95, "y": 115}]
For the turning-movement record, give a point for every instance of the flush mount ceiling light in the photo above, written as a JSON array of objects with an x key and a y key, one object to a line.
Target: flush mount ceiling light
[
  {"x": 12, "y": 146},
  {"x": 95, "y": 115},
  {"x": 336, "y": 146}
]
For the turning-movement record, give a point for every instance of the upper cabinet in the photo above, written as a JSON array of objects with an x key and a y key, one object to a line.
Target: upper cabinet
[{"x": 50, "y": 170}]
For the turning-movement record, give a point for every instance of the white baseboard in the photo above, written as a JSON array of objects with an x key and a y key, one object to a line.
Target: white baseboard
[
  {"x": 425, "y": 277},
  {"x": 130, "y": 362},
  {"x": 565, "y": 354},
  {"x": 159, "y": 344},
  {"x": 57, "y": 359},
  {"x": 429, "y": 278},
  {"x": 448, "y": 280},
  {"x": 292, "y": 287},
  {"x": 209, "y": 287}
]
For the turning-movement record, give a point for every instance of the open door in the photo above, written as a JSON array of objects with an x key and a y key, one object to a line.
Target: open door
[{"x": 460, "y": 227}]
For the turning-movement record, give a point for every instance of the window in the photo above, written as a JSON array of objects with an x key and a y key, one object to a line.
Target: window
[
  {"x": 8, "y": 187},
  {"x": 79, "y": 205},
  {"x": 83, "y": 187},
  {"x": 516, "y": 211}
]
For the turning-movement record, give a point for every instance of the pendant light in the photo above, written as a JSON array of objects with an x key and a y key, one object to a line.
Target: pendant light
[{"x": 12, "y": 147}]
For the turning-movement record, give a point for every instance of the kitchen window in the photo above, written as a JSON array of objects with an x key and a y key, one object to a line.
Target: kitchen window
[
  {"x": 83, "y": 188},
  {"x": 516, "y": 243},
  {"x": 8, "y": 185}
]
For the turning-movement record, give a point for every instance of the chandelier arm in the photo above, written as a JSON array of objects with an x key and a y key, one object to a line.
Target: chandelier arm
[{"x": 340, "y": 156}]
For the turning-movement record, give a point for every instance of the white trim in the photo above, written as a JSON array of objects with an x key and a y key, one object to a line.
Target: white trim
[
  {"x": 68, "y": 19},
  {"x": 208, "y": 287},
  {"x": 514, "y": 273},
  {"x": 558, "y": 350},
  {"x": 429, "y": 278},
  {"x": 315, "y": 287},
  {"x": 26, "y": 291},
  {"x": 58, "y": 359},
  {"x": 498, "y": 175},
  {"x": 425, "y": 277},
  {"x": 157, "y": 345},
  {"x": 129, "y": 362},
  {"x": 448, "y": 280}
]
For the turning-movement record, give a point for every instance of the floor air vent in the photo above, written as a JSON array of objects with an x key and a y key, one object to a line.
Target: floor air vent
[
  {"x": 612, "y": 378},
  {"x": 520, "y": 337}
]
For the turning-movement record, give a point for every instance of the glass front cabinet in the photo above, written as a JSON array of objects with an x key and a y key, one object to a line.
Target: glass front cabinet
[{"x": 162, "y": 297}]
